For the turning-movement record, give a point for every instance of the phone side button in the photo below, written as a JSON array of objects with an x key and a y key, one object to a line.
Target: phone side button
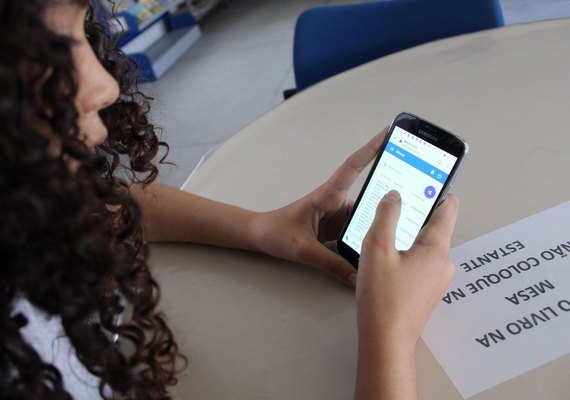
[{"x": 444, "y": 196}]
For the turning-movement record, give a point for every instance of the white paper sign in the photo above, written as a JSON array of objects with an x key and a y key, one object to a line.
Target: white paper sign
[{"x": 508, "y": 308}]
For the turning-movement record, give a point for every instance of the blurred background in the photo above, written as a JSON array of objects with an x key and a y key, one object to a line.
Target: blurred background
[{"x": 236, "y": 64}]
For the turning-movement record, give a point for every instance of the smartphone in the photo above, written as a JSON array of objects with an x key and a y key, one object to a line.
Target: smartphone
[{"x": 419, "y": 160}]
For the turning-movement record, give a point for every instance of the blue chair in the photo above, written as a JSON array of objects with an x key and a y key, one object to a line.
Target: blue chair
[{"x": 331, "y": 39}]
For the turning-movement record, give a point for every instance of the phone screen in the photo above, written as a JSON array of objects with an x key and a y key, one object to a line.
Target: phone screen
[{"x": 418, "y": 170}]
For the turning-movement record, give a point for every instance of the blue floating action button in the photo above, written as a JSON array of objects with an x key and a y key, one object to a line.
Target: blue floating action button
[{"x": 429, "y": 192}]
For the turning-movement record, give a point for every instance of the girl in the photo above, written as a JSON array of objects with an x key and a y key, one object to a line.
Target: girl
[{"x": 78, "y": 315}]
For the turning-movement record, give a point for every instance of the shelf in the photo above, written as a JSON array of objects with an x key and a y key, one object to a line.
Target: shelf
[
  {"x": 161, "y": 40},
  {"x": 200, "y": 8},
  {"x": 157, "y": 53},
  {"x": 170, "y": 48},
  {"x": 170, "y": 9},
  {"x": 156, "y": 44}
]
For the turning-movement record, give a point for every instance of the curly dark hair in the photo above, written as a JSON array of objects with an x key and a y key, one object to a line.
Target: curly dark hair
[{"x": 71, "y": 241}]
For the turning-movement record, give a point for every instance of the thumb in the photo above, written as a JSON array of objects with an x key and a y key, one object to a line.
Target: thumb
[
  {"x": 322, "y": 257},
  {"x": 382, "y": 232}
]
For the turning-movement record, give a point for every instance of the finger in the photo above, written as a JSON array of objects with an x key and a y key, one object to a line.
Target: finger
[
  {"x": 335, "y": 225},
  {"x": 323, "y": 258},
  {"x": 346, "y": 174},
  {"x": 442, "y": 223},
  {"x": 382, "y": 232},
  {"x": 350, "y": 207}
]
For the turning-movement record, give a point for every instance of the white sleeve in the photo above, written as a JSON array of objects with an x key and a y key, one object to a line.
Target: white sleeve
[{"x": 46, "y": 335}]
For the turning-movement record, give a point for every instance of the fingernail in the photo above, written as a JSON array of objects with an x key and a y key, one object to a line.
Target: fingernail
[
  {"x": 351, "y": 280},
  {"x": 393, "y": 195}
]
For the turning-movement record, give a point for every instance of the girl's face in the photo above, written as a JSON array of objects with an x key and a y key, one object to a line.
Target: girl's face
[{"x": 97, "y": 89}]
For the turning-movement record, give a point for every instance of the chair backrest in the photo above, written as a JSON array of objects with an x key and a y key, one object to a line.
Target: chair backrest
[{"x": 332, "y": 39}]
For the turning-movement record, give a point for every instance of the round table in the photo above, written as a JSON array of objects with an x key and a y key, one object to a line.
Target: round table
[{"x": 254, "y": 327}]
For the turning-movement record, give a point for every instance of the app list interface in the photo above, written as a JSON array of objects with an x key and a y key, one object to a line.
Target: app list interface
[{"x": 417, "y": 170}]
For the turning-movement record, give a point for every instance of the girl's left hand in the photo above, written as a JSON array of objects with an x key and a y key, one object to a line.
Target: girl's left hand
[{"x": 304, "y": 230}]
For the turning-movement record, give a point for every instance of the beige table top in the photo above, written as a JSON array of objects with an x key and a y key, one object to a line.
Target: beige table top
[{"x": 259, "y": 328}]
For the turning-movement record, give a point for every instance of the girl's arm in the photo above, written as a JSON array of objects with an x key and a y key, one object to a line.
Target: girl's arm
[{"x": 297, "y": 232}]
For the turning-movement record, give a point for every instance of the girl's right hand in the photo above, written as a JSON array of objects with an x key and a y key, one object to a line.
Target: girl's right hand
[
  {"x": 398, "y": 290},
  {"x": 396, "y": 293}
]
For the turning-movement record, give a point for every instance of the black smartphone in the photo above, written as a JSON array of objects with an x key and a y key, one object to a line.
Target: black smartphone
[{"x": 419, "y": 160}]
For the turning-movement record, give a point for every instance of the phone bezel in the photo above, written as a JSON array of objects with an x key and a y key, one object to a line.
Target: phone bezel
[{"x": 429, "y": 132}]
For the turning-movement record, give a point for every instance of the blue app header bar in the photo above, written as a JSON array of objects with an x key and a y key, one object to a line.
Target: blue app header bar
[{"x": 416, "y": 162}]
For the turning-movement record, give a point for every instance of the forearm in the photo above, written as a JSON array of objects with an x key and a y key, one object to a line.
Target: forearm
[
  {"x": 171, "y": 215},
  {"x": 386, "y": 367}
]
